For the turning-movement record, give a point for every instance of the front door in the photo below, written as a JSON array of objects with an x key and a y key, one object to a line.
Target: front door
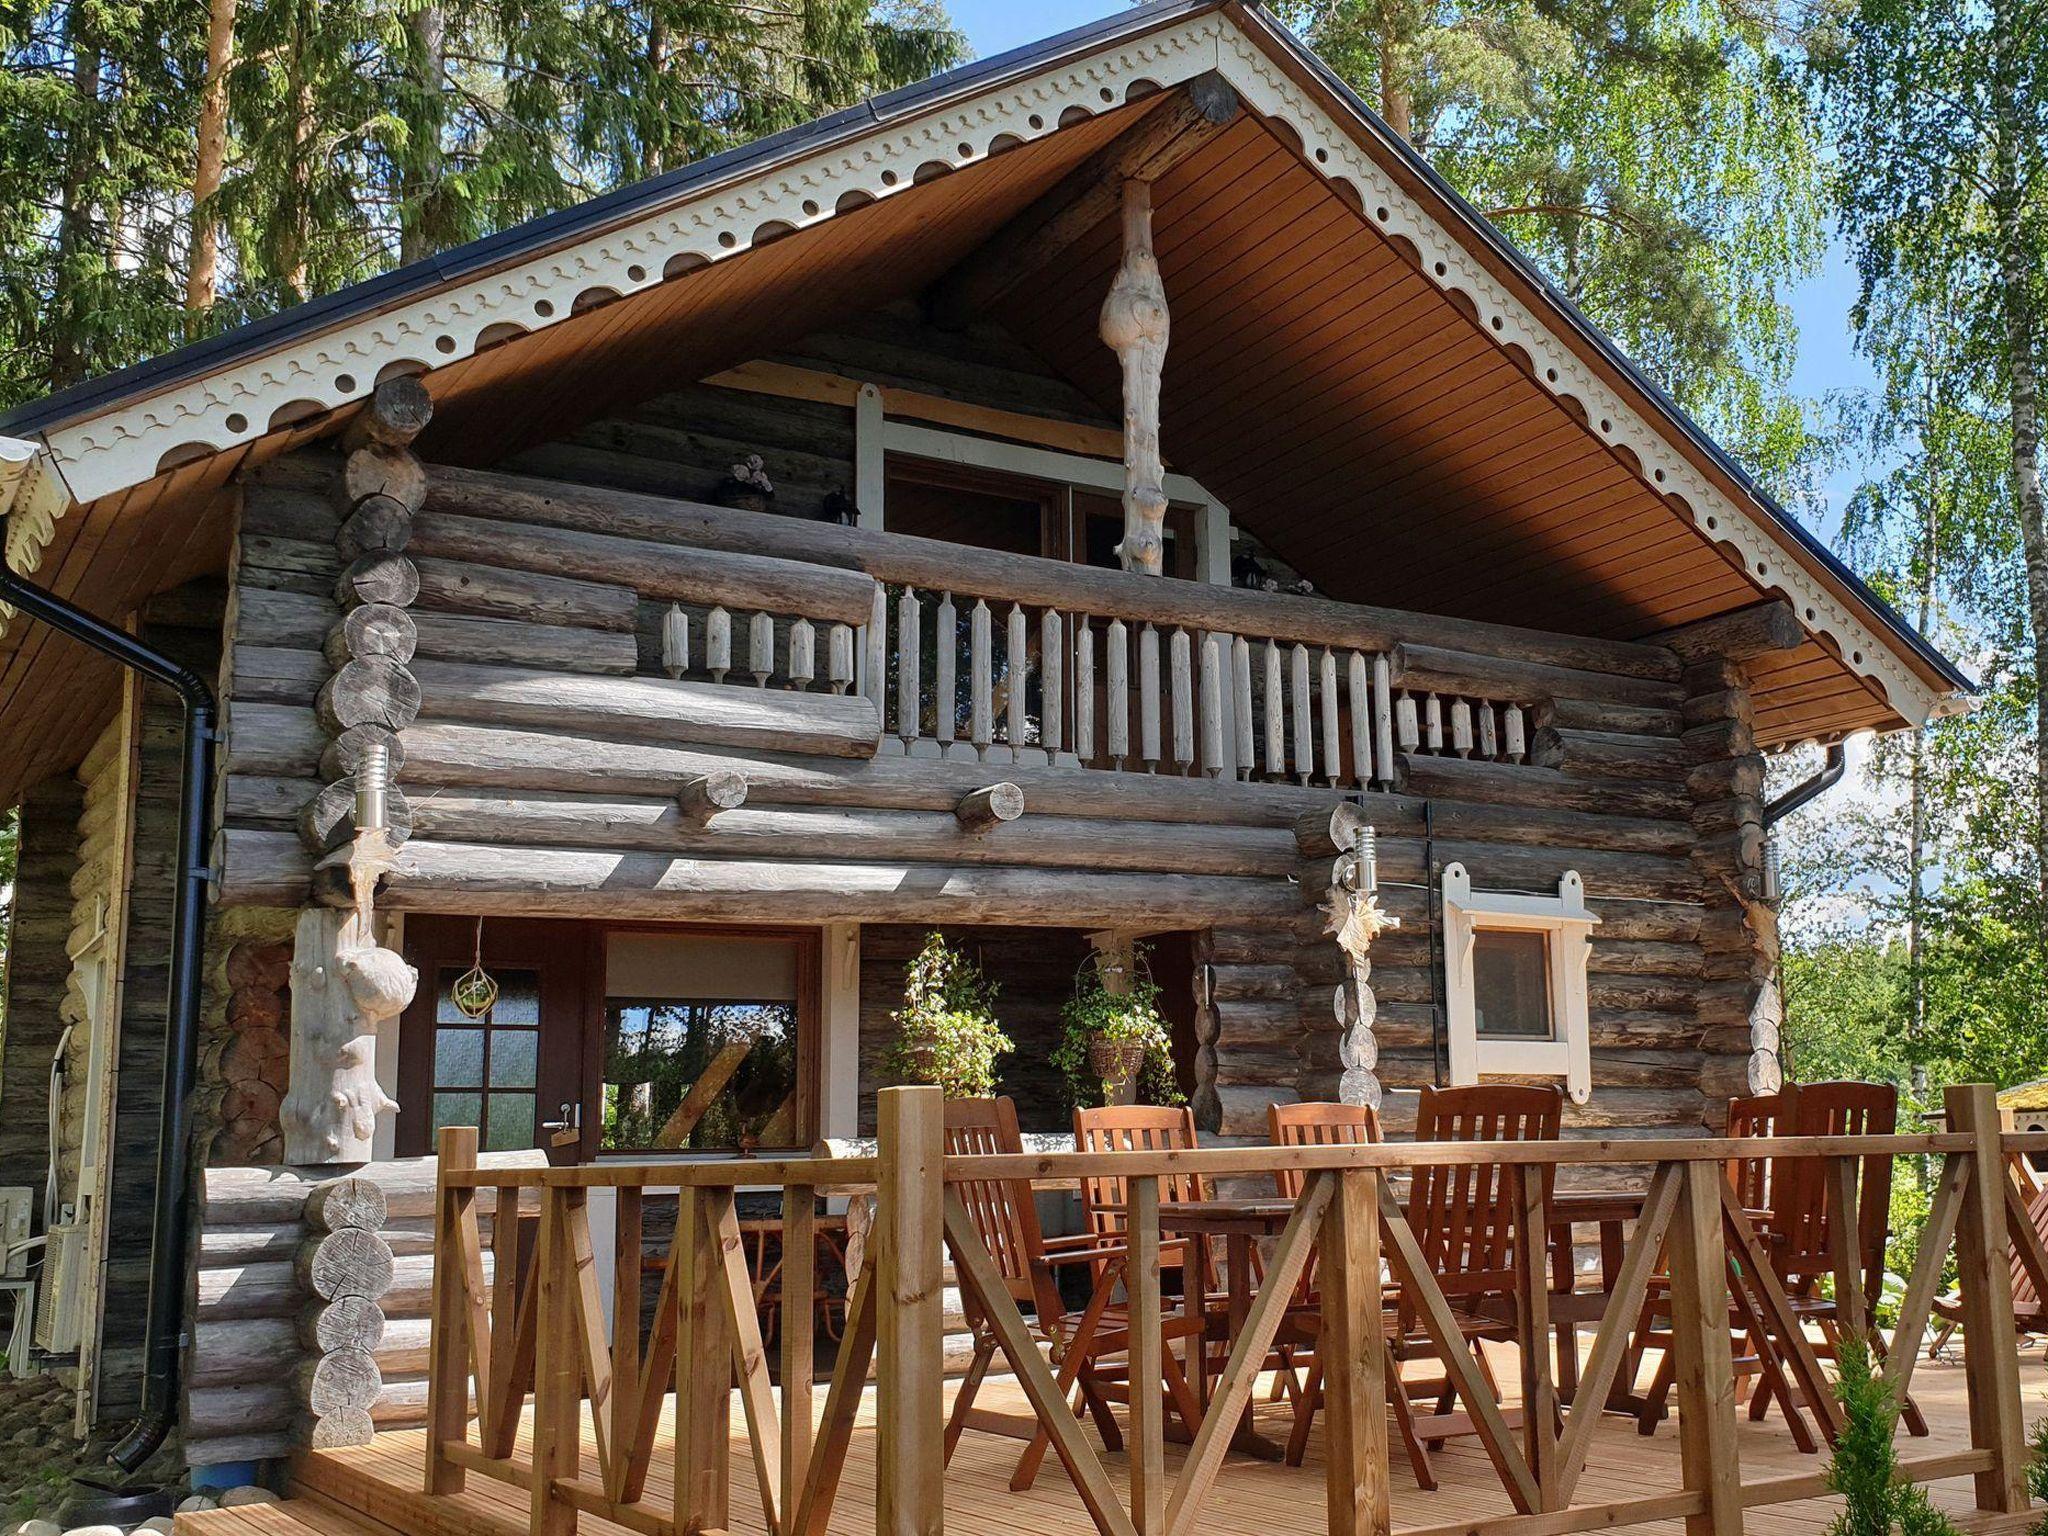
[{"x": 522, "y": 1071}]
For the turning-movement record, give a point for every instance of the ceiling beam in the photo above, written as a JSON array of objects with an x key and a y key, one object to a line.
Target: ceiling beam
[{"x": 1088, "y": 195}]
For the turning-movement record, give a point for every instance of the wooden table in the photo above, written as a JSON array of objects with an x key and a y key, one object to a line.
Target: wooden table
[
  {"x": 1570, "y": 1308},
  {"x": 1241, "y": 1224}
]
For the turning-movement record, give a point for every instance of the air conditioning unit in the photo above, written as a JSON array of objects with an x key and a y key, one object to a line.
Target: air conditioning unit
[{"x": 57, "y": 1320}]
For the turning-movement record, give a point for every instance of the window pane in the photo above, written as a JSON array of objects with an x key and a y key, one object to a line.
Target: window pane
[
  {"x": 514, "y": 1055},
  {"x": 457, "y": 1109},
  {"x": 739, "y": 1058},
  {"x": 458, "y": 1058},
  {"x": 445, "y": 1011},
  {"x": 1511, "y": 984},
  {"x": 510, "y": 1125},
  {"x": 518, "y": 999}
]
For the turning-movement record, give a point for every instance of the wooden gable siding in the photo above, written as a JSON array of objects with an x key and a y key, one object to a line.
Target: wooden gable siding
[{"x": 517, "y": 808}]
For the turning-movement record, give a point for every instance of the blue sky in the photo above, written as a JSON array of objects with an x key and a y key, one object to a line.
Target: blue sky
[{"x": 1828, "y": 362}]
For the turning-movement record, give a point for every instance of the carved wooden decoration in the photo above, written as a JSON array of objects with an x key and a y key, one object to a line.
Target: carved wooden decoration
[
  {"x": 1135, "y": 326},
  {"x": 344, "y": 987},
  {"x": 1352, "y": 909}
]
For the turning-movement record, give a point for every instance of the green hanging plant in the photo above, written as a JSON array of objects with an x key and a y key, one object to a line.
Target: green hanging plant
[
  {"x": 946, "y": 1031},
  {"x": 1107, "y": 1036},
  {"x": 1865, "y": 1466}
]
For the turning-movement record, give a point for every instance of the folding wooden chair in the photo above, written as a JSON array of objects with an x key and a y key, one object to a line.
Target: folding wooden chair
[
  {"x": 1326, "y": 1125},
  {"x": 1467, "y": 1223},
  {"x": 2029, "y": 1313},
  {"x": 1005, "y": 1215}
]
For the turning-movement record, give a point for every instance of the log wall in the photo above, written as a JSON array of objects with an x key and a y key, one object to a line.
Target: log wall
[
  {"x": 558, "y": 734},
  {"x": 38, "y": 970}
]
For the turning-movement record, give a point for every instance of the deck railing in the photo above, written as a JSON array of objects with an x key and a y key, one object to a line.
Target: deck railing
[{"x": 504, "y": 1325}]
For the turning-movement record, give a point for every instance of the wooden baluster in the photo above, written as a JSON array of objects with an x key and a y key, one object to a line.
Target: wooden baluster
[
  {"x": 1515, "y": 735},
  {"x": 945, "y": 682},
  {"x": 1247, "y": 755},
  {"x": 1703, "y": 1370},
  {"x": 1214, "y": 742},
  {"x": 557, "y": 1368},
  {"x": 1147, "y": 1360},
  {"x": 1117, "y": 698},
  {"x": 1017, "y": 656},
  {"x": 497, "y": 1411},
  {"x": 761, "y": 648},
  {"x": 875, "y": 653},
  {"x": 1383, "y": 718},
  {"x": 1276, "y": 715},
  {"x": 449, "y": 1324},
  {"x": 1433, "y": 722},
  {"x": 1181, "y": 680},
  {"x": 1148, "y": 697},
  {"x": 909, "y": 651},
  {"x": 839, "y": 657},
  {"x": 1358, "y": 694},
  {"x": 981, "y": 727},
  {"x": 1084, "y": 691},
  {"x": 1461, "y": 728},
  {"x": 1052, "y": 682},
  {"x": 625, "y": 1402},
  {"x": 799, "y": 1323},
  {"x": 909, "y": 1324},
  {"x": 1352, "y": 1352},
  {"x": 1984, "y": 1274},
  {"x": 718, "y": 644},
  {"x": 1489, "y": 738},
  {"x": 1298, "y": 718},
  {"x": 703, "y": 1379},
  {"x": 1333, "y": 752},
  {"x": 675, "y": 641},
  {"x": 1404, "y": 722},
  {"x": 803, "y": 655}
]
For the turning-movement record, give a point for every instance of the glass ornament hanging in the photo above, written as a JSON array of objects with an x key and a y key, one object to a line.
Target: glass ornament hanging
[{"x": 475, "y": 991}]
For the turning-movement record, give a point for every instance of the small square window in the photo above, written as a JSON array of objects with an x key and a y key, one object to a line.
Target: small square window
[{"x": 1511, "y": 985}]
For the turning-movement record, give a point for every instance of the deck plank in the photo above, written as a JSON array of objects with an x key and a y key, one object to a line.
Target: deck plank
[{"x": 384, "y": 1480}]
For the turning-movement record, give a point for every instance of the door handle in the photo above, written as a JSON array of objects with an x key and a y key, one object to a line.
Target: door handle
[{"x": 567, "y": 1129}]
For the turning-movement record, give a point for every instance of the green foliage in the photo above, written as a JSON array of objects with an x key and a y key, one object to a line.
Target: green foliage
[
  {"x": 2037, "y": 1474},
  {"x": 946, "y": 1030},
  {"x": 363, "y": 133},
  {"x": 1129, "y": 1017},
  {"x": 1865, "y": 1464}
]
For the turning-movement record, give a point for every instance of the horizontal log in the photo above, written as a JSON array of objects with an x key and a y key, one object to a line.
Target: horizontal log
[
  {"x": 470, "y": 637},
  {"x": 753, "y": 583},
  {"x": 257, "y": 1196},
  {"x": 235, "y": 1449},
  {"x": 373, "y": 630},
  {"x": 238, "y": 1409},
  {"x": 1605, "y": 715},
  {"x": 1521, "y": 678},
  {"x": 291, "y": 620},
  {"x": 225, "y": 1352},
  {"x": 940, "y": 566},
  {"x": 270, "y": 868},
  {"x": 1451, "y": 778},
  {"x": 826, "y": 725},
  {"x": 1621, "y": 755},
  {"x": 463, "y": 586},
  {"x": 1761, "y": 630},
  {"x": 801, "y": 834}
]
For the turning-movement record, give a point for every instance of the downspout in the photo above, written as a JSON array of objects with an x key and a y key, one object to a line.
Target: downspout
[
  {"x": 162, "y": 1335},
  {"x": 1807, "y": 789},
  {"x": 1827, "y": 778}
]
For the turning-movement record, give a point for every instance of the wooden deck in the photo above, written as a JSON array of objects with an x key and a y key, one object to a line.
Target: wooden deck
[{"x": 383, "y": 1482}]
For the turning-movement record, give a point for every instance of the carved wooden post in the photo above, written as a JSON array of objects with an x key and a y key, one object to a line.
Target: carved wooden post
[
  {"x": 1134, "y": 326},
  {"x": 1351, "y": 908},
  {"x": 343, "y": 987},
  {"x": 1984, "y": 1273},
  {"x": 910, "y": 1464}
]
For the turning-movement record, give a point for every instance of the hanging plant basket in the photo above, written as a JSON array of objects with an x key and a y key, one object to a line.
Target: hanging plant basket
[{"x": 1115, "y": 1061}]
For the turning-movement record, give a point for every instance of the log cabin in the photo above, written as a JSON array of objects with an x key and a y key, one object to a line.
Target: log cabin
[{"x": 1113, "y": 494}]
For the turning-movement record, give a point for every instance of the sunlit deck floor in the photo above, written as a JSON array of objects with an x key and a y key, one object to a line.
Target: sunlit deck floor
[{"x": 1252, "y": 1497}]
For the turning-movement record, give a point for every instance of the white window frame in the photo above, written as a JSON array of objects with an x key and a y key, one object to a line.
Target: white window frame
[{"x": 1568, "y": 924}]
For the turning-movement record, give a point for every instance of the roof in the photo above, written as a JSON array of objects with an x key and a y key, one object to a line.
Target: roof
[{"x": 145, "y": 444}]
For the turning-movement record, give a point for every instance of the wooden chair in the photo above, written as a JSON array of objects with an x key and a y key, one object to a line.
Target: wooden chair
[
  {"x": 1467, "y": 1224},
  {"x": 1756, "y": 1357},
  {"x": 2029, "y": 1313},
  {"x": 1326, "y": 1125},
  {"x": 1005, "y": 1215}
]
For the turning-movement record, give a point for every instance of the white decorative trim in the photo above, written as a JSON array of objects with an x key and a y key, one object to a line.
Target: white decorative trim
[
  {"x": 125, "y": 446},
  {"x": 1568, "y": 924},
  {"x": 33, "y": 496}
]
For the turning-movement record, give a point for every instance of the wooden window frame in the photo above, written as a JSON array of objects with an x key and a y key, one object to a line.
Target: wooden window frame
[{"x": 1567, "y": 923}]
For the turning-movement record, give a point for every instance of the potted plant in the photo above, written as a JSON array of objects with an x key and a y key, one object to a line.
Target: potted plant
[
  {"x": 946, "y": 1030},
  {"x": 1112, "y": 1032}
]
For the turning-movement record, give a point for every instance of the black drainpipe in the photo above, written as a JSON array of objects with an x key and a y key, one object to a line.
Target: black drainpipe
[
  {"x": 1827, "y": 778},
  {"x": 161, "y": 1338}
]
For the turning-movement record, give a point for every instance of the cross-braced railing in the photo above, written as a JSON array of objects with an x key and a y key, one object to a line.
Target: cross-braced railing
[{"x": 522, "y": 1316}]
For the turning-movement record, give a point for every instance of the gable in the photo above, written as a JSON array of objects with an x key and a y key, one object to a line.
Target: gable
[{"x": 1362, "y": 370}]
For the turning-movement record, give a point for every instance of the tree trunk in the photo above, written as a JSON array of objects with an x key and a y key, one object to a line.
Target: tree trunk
[
  {"x": 2020, "y": 323},
  {"x": 68, "y": 354},
  {"x": 203, "y": 257},
  {"x": 420, "y": 214}
]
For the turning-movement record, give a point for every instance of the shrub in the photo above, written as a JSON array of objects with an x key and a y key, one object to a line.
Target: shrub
[{"x": 1864, "y": 1469}]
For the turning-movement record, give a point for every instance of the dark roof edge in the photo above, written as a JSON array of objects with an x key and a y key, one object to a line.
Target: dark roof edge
[
  {"x": 535, "y": 236},
  {"x": 1482, "y": 227}
]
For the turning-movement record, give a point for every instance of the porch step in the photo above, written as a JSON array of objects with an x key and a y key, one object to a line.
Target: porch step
[{"x": 291, "y": 1517}]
